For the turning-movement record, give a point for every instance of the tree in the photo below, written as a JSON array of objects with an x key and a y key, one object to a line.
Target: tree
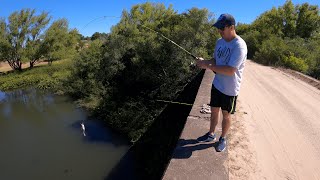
[
  {"x": 84, "y": 80},
  {"x": 20, "y": 37},
  {"x": 270, "y": 22},
  {"x": 59, "y": 42},
  {"x": 242, "y": 28},
  {"x": 308, "y": 20},
  {"x": 17, "y": 33},
  {"x": 100, "y": 36},
  {"x": 289, "y": 21},
  {"x": 289, "y": 18},
  {"x": 34, "y": 47},
  {"x": 272, "y": 51},
  {"x": 4, "y": 43}
]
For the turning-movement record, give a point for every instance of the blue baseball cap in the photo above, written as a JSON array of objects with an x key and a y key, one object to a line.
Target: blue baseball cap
[{"x": 224, "y": 20}]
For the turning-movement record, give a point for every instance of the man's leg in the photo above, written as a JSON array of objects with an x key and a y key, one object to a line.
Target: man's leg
[
  {"x": 210, "y": 136},
  {"x": 226, "y": 122},
  {"x": 215, "y": 111}
]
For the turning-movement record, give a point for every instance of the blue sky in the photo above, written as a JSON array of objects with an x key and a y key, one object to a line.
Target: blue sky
[{"x": 88, "y": 16}]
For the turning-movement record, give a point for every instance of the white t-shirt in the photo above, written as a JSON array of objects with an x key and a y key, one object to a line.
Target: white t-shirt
[{"x": 233, "y": 53}]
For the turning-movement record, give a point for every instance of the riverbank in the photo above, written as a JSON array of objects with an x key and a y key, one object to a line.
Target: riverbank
[{"x": 46, "y": 77}]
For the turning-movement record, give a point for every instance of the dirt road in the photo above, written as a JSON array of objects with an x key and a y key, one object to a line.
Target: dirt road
[{"x": 276, "y": 132}]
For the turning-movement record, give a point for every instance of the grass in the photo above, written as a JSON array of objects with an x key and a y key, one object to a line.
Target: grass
[{"x": 42, "y": 77}]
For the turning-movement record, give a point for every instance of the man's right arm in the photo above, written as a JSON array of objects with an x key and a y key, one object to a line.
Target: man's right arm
[
  {"x": 202, "y": 63},
  {"x": 212, "y": 61}
]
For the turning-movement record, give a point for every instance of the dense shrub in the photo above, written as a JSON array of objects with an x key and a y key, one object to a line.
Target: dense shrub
[
  {"x": 272, "y": 51},
  {"x": 295, "y": 63},
  {"x": 42, "y": 77}
]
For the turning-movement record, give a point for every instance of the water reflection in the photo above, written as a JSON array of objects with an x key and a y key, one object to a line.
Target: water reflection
[
  {"x": 2, "y": 96},
  {"x": 30, "y": 98}
]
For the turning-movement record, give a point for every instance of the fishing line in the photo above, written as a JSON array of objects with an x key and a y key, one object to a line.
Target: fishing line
[
  {"x": 99, "y": 18},
  {"x": 174, "y": 102}
]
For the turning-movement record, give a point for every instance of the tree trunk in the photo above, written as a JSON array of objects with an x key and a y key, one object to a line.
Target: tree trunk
[
  {"x": 32, "y": 64},
  {"x": 15, "y": 63},
  {"x": 19, "y": 64}
]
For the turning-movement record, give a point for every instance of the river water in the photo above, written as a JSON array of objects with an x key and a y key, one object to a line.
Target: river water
[{"x": 41, "y": 137}]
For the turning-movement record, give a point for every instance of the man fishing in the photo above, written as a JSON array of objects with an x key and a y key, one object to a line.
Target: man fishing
[{"x": 228, "y": 63}]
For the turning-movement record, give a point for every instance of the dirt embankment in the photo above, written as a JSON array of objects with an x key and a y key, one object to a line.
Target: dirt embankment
[{"x": 312, "y": 81}]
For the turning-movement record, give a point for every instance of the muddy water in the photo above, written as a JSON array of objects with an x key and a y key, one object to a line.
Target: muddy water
[{"x": 41, "y": 137}]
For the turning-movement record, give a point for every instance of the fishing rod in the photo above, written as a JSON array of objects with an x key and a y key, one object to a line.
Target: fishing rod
[
  {"x": 177, "y": 45},
  {"x": 195, "y": 57}
]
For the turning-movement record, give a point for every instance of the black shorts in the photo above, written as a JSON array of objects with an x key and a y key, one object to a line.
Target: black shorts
[{"x": 218, "y": 99}]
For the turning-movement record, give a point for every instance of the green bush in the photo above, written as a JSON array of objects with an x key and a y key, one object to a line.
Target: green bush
[
  {"x": 272, "y": 51},
  {"x": 83, "y": 81},
  {"x": 43, "y": 77},
  {"x": 295, "y": 63},
  {"x": 253, "y": 39}
]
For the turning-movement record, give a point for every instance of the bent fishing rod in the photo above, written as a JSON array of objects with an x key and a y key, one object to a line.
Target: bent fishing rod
[
  {"x": 177, "y": 45},
  {"x": 160, "y": 34}
]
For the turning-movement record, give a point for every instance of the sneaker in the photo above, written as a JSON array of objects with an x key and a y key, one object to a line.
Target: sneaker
[
  {"x": 222, "y": 144},
  {"x": 207, "y": 137}
]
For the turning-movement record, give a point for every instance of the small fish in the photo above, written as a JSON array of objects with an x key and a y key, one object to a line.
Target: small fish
[{"x": 83, "y": 129}]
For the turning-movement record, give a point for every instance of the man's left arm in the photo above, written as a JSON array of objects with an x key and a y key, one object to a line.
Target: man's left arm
[{"x": 225, "y": 70}]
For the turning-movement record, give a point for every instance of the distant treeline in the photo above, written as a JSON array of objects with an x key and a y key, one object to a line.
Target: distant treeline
[
  {"x": 287, "y": 36},
  {"x": 26, "y": 37}
]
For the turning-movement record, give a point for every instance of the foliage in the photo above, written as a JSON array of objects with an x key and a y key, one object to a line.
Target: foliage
[
  {"x": 20, "y": 37},
  {"x": 84, "y": 82},
  {"x": 42, "y": 77},
  {"x": 290, "y": 53},
  {"x": 253, "y": 40},
  {"x": 4, "y": 44},
  {"x": 285, "y": 36},
  {"x": 34, "y": 49},
  {"x": 242, "y": 28},
  {"x": 308, "y": 20},
  {"x": 295, "y": 63},
  {"x": 59, "y": 42},
  {"x": 100, "y": 36},
  {"x": 272, "y": 51},
  {"x": 289, "y": 21},
  {"x": 313, "y": 57},
  {"x": 269, "y": 23}
]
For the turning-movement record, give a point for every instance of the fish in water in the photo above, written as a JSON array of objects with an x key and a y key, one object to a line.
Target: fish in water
[{"x": 83, "y": 129}]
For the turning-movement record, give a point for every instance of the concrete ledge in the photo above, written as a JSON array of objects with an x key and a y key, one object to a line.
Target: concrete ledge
[{"x": 193, "y": 160}]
